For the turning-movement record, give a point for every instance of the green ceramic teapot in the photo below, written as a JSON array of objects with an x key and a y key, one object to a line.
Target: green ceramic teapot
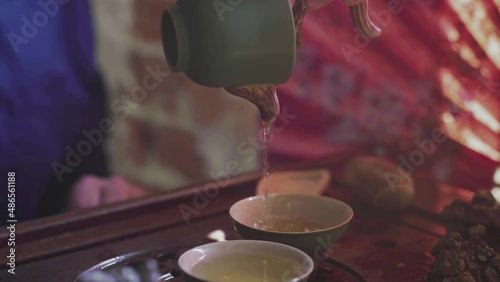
[
  {"x": 230, "y": 43},
  {"x": 234, "y": 43}
]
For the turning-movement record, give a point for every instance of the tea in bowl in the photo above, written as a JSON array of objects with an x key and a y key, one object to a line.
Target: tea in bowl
[
  {"x": 307, "y": 222},
  {"x": 245, "y": 261}
]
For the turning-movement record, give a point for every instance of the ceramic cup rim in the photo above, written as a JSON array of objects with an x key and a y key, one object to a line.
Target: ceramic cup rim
[
  {"x": 331, "y": 228},
  {"x": 305, "y": 259}
]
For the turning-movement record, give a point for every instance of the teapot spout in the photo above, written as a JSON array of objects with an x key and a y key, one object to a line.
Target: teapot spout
[
  {"x": 263, "y": 96},
  {"x": 361, "y": 20}
]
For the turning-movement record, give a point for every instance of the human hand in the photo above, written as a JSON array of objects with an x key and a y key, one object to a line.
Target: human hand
[{"x": 92, "y": 191}]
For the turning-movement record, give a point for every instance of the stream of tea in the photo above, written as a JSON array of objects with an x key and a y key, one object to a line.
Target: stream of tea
[
  {"x": 272, "y": 222},
  {"x": 265, "y": 97},
  {"x": 266, "y": 126}
]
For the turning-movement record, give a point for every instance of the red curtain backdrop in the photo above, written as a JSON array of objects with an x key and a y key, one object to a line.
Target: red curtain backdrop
[{"x": 436, "y": 68}]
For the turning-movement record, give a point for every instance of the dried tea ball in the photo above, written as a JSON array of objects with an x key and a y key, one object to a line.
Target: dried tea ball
[{"x": 379, "y": 183}]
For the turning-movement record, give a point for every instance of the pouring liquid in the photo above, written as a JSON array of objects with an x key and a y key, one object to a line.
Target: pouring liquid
[
  {"x": 266, "y": 99},
  {"x": 272, "y": 222},
  {"x": 265, "y": 168}
]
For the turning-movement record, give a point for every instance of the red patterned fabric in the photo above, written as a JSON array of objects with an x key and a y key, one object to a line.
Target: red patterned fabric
[{"x": 432, "y": 68}]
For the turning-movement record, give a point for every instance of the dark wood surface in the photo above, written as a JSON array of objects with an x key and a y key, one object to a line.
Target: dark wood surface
[{"x": 384, "y": 247}]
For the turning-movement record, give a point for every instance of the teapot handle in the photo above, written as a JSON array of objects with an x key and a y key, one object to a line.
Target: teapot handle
[
  {"x": 361, "y": 19},
  {"x": 359, "y": 15},
  {"x": 299, "y": 9}
]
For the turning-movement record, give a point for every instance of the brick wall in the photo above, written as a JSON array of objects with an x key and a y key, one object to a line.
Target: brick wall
[{"x": 169, "y": 131}]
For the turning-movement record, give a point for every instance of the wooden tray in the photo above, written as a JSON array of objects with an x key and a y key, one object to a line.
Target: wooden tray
[
  {"x": 331, "y": 270},
  {"x": 384, "y": 248}
]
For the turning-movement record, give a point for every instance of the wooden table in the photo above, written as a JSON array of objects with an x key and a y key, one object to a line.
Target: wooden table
[{"x": 384, "y": 247}]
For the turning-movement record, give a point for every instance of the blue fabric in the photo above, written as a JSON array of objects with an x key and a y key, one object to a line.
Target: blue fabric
[{"x": 50, "y": 91}]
